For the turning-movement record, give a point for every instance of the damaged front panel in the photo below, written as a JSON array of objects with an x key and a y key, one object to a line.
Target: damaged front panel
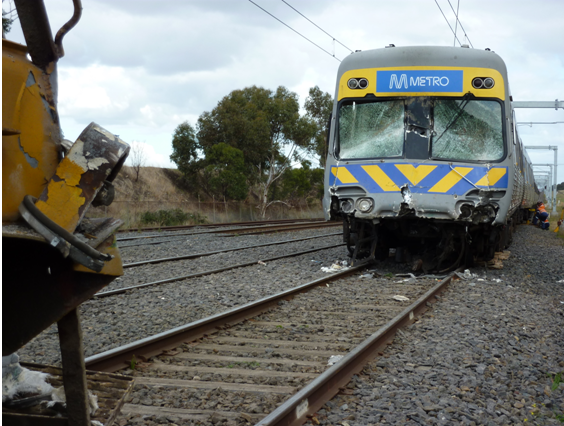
[{"x": 429, "y": 190}]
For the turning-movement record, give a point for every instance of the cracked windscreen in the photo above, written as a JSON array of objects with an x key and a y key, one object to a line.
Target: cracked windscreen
[
  {"x": 467, "y": 132},
  {"x": 373, "y": 129}
]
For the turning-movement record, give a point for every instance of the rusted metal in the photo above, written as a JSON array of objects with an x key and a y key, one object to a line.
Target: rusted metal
[
  {"x": 37, "y": 32},
  {"x": 92, "y": 160},
  {"x": 118, "y": 358},
  {"x": 67, "y": 27},
  {"x": 312, "y": 397},
  {"x": 74, "y": 372}
]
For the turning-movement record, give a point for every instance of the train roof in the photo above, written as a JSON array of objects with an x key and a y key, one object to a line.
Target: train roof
[{"x": 423, "y": 56}]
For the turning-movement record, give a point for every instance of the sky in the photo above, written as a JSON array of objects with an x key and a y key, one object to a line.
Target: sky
[{"x": 140, "y": 68}]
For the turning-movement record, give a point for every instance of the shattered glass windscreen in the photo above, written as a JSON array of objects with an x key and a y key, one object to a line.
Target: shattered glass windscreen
[
  {"x": 476, "y": 134},
  {"x": 373, "y": 129}
]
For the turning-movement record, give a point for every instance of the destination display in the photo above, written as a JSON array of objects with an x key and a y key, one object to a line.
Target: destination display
[{"x": 419, "y": 81}]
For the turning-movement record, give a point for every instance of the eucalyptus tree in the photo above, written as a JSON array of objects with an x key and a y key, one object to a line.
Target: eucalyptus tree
[{"x": 267, "y": 127}]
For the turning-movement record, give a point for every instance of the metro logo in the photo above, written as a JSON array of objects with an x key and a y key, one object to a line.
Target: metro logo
[
  {"x": 398, "y": 84},
  {"x": 420, "y": 81}
]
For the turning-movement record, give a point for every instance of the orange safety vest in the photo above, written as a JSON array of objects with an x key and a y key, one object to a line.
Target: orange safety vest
[{"x": 541, "y": 209}]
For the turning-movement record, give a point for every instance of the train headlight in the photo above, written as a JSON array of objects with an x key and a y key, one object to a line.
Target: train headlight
[
  {"x": 347, "y": 206},
  {"x": 365, "y": 204},
  {"x": 483, "y": 83},
  {"x": 353, "y": 83},
  {"x": 477, "y": 83},
  {"x": 489, "y": 83},
  {"x": 357, "y": 83}
]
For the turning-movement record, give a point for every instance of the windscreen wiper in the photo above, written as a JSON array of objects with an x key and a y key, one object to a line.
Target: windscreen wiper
[{"x": 465, "y": 100}]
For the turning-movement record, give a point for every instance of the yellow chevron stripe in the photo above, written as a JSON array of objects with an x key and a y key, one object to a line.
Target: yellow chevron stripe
[
  {"x": 451, "y": 179},
  {"x": 415, "y": 174},
  {"x": 381, "y": 178},
  {"x": 343, "y": 175},
  {"x": 492, "y": 177}
]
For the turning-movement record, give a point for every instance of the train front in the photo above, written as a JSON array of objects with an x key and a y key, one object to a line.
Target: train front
[{"x": 418, "y": 154}]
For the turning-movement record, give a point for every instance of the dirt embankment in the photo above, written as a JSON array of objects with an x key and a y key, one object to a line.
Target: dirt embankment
[{"x": 154, "y": 184}]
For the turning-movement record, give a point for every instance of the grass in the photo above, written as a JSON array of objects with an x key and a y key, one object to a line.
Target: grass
[
  {"x": 540, "y": 412},
  {"x": 553, "y": 219},
  {"x": 139, "y": 203},
  {"x": 171, "y": 217}
]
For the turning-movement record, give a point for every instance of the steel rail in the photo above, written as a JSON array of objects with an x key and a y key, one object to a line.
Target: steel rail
[
  {"x": 264, "y": 230},
  {"x": 209, "y": 272},
  {"x": 312, "y": 397},
  {"x": 209, "y": 253},
  {"x": 282, "y": 229},
  {"x": 172, "y": 228},
  {"x": 116, "y": 359}
]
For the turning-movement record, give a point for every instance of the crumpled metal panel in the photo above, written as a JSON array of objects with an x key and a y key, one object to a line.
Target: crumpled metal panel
[{"x": 80, "y": 175}]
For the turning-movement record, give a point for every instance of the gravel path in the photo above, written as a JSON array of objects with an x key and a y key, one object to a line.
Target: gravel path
[{"x": 488, "y": 353}]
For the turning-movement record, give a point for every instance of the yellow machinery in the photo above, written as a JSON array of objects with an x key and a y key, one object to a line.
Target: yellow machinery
[{"x": 54, "y": 258}]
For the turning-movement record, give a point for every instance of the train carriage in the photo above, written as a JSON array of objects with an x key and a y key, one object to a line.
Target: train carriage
[{"x": 424, "y": 157}]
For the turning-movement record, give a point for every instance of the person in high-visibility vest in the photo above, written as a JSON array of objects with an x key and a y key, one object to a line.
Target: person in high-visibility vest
[{"x": 541, "y": 216}]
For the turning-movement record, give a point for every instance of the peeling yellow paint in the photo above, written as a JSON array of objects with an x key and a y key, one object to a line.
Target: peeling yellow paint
[
  {"x": 70, "y": 172},
  {"x": 62, "y": 204}
]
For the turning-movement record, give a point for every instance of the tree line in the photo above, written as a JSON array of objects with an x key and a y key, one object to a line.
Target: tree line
[{"x": 249, "y": 145}]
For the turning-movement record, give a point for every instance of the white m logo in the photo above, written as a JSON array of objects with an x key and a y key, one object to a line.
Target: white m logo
[{"x": 398, "y": 84}]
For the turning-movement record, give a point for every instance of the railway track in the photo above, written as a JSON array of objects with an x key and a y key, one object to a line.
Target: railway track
[
  {"x": 267, "y": 361},
  {"x": 202, "y": 254},
  {"x": 120, "y": 286},
  {"x": 203, "y": 273},
  {"x": 219, "y": 225},
  {"x": 254, "y": 230}
]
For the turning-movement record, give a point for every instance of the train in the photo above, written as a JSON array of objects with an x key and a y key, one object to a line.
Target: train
[{"x": 424, "y": 161}]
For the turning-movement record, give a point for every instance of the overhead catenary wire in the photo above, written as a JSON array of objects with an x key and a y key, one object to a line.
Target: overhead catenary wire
[
  {"x": 458, "y": 21},
  {"x": 297, "y": 11},
  {"x": 316, "y": 45},
  {"x": 448, "y": 23}
]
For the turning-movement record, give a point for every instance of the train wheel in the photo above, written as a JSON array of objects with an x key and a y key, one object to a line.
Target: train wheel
[{"x": 455, "y": 248}]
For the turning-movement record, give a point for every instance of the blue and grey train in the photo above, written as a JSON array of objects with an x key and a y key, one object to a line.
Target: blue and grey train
[{"x": 424, "y": 156}]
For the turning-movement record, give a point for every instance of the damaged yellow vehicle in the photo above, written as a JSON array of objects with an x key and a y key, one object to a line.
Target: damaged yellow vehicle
[{"x": 54, "y": 257}]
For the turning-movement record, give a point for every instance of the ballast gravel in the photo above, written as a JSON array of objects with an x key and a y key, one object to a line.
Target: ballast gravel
[
  {"x": 117, "y": 320},
  {"x": 489, "y": 352}
]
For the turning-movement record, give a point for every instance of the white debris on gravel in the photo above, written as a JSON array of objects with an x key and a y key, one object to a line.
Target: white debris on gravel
[
  {"x": 17, "y": 380},
  {"x": 400, "y": 298},
  {"x": 334, "y": 359},
  {"x": 338, "y": 266}
]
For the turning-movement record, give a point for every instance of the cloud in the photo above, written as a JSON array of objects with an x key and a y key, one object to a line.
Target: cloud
[{"x": 141, "y": 68}]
